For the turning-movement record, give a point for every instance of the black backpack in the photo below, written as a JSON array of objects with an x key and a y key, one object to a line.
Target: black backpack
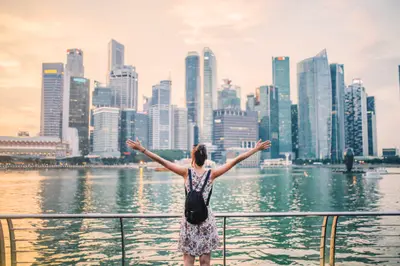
[{"x": 196, "y": 210}]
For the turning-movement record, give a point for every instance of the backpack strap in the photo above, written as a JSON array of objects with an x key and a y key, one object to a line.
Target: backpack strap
[
  {"x": 205, "y": 181},
  {"x": 190, "y": 182},
  {"x": 204, "y": 186},
  {"x": 209, "y": 196},
  {"x": 190, "y": 179}
]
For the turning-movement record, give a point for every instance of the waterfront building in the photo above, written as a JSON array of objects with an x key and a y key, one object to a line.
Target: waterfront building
[
  {"x": 79, "y": 106},
  {"x": 338, "y": 115},
  {"x": 281, "y": 81},
  {"x": 127, "y": 129},
  {"x": 33, "y": 147},
  {"x": 372, "y": 130},
  {"x": 229, "y": 96},
  {"x": 193, "y": 88},
  {"x": 179, "y": 128},
  {"x": 106, "y": 132},
  {"x": 52, "y": 99},
  {"x": 251, "y": 162},
  {"x": 160, "y": 117},
  {"x": 315, "y": 107},
  {"x": 75, "y": 63},
  {"x": 268, "y": 115},
  {"x": 209, "y": 94},
  {"x": 295, "y": 131},
  {"x": 124, "y": 82},
  {"x": 231, "y": 129},
  {"x": 390, "y": 152},
  {"x": 251, "y": 102},
  {"x": 116, "y": 56},
  {"x": 103, "y": 97},
  {"x": 73, "y": 69},
  {"x": 356, "y": 119},
  {"x": 142, "y": 128}
]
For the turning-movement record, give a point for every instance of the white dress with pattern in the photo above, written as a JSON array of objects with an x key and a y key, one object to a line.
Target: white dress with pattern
[{"x": 197, "y": 240}]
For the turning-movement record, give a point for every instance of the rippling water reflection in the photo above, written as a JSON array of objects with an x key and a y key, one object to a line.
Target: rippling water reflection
[{"x": 272, "y": 241}]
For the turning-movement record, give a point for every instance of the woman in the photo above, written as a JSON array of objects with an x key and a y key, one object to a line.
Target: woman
[{"x": 198, "y": 240}]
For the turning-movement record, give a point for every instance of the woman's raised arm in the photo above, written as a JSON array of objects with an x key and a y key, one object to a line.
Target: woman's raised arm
[
  {"x": 177, "y": 169},
  {"x": 226, "y": 167}
]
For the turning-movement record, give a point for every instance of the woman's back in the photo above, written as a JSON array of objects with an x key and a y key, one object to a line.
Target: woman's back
[
  {"x": 202, "y": 238},
  {"x": 198, "y": 182}
]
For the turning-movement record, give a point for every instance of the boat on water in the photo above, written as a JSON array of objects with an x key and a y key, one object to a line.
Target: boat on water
[{"x": 275, "y": 163}]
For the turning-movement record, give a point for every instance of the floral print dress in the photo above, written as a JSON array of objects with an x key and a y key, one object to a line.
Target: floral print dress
[{"x": 201, "y": 239}]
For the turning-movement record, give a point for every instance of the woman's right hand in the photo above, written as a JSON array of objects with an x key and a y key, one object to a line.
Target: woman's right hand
[
  {"x": 260, "y": 146},
  {"x": 135, "y": 145}
]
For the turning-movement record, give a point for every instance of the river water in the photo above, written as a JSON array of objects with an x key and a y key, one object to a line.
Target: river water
[{"x": 257, "y": 241}]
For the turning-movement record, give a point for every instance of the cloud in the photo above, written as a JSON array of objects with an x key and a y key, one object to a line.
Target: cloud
[
  {"x": 9, "y": 63},
  {"x": 225, "y": 20},
  {"x": 20, "y": 27}
]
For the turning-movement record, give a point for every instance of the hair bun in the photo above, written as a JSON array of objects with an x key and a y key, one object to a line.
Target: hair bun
[{"x": 200, "y": 154}]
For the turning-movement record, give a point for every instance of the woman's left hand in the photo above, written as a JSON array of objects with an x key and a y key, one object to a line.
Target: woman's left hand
[
  {"x": 135, "y": 145},
  {"x": 260, "y": 146}
]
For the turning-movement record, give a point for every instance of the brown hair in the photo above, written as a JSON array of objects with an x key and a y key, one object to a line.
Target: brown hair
[{"x": 200, "y": 154}]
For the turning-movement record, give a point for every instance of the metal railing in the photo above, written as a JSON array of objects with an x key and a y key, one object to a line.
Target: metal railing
[{"x": 334, "y": 227}]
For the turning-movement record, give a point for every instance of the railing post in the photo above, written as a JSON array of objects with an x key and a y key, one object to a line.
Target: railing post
[
  {"x": 12, "y": 242},
  {"x": 2, "y": 247},
  {"x": 121, "y": 223},
  {"x": 333, "y": 241},
  {"x": 323, "y": 241},
  {"x": 224, "y": 237}
]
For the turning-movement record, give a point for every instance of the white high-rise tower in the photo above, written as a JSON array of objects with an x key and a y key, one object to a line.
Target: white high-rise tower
[
  {"x": 209, "y": 96},
  {"x": 116, "y": 55}
]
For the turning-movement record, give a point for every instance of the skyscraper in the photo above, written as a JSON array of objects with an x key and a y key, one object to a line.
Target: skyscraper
[
  {"x": 268, "y": 111},
  {"x": 124, "y": 82},
  {"x": 356, "y": 123},
  {"x": 251, "y": 102},
  {"x": 73, "y": 68},
  {"x": 315, "y": 107},
  {"x": 146, "y": 104},
  {"x": 79, "y": 105},
  {"x": 179, "y": 128},
  {"x": 338, "y": 140},
  {"x": 231, "y": 129},
  {"x": 210, "y": 94},
  {"x": 127, "y": 131},
  {"x": 281, "y": 80},
  {"x": 106, "y": 133},
  {"x": 116, "y": 55},
  {"x": 295, "y": 130},
  {"x": 142, "y": 128},
  {"x": 75, "y": 63},
  {"x": 372, "y": 131},
  {"x": 160, "y": 118},
  {"x": 229, "y": 96},
  {"x": 193, "y": 91},
  {"x": 52, "y": 99},
  {"x": 103, "y": 97}
]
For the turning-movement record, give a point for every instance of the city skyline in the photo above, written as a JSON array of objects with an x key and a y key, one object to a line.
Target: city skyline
[{"x": 360, "y": 42}]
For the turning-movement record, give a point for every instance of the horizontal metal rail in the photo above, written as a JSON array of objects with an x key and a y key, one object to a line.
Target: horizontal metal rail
[
  {"x": 330, "y": 220},
  {"x": 220, "y": 215}
]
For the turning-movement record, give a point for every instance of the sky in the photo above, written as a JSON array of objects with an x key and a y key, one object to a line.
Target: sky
[{"x": 364, "y": 35}]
